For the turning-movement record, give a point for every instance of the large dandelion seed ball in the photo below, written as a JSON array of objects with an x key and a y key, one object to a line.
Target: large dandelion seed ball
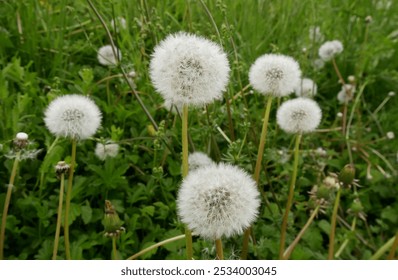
[
  {"x": 188, "y": 69},
  {"x": 330, "y": 49},
  {"x": 73, "y": 116},
  {"x": 219, "y": 200},
  {"x": 306, "y": 88},
  {"x": 275, "y": 74},
  {"x": 299, "y": 115},
  {"x": 106, "y": 56}
]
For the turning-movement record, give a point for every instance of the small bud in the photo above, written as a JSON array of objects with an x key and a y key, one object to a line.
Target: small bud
[
  {"x": 391, "y": 94},
  {"x": 151, "y": 130},
  {"x": 131, "y": 74},
  {"x": 390, "y": 135},
  {"x": 61, "y": 168},
  {"x": 368, "y": 19},
  {"x": 351, "y": 79},
  {"x": 356, "y": 206},
  {"x": 111, "y": 221},
  {"x": 347, "y": 175},
  {"x": 339, "y": 115},
  {"x": 21, "y": 140}
]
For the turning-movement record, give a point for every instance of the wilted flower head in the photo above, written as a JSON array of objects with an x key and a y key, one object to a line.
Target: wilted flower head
[
  {"x": 102, "y": 151},
  {"x": 307, "y": 88},
  {"x": 299, "y": 115},
  {"x": 275, "y": 74},
  {"x": 73, "y": 116},
  {"x": 218, "y": 200},
  {"x": 315, "y": 34},
  {"x": 62, "y": 168},
  {"x": 198, "y": 160},
  {"x": 118, "y": 24},
  {"x": 112, "y": 223},
  {"x": 330, "y": 49},
  {"x": 21, "y": 140},
  {"x": 346, "y": 93},
  {"x": 188, "y": 69},
  {"x": 106, "y": 56}
]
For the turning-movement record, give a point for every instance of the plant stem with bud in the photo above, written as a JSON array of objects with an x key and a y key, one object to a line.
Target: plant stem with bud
[{"x": 7, "y": 202}]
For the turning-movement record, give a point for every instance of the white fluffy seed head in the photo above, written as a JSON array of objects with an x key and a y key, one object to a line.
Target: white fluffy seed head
[
  {"x": 390, "y": 135},
  {"x": 106, "y": 56},
  {"x": 21, "y": 136},
  {"x": 306, "y": 88},
  {"x": 315, "y": 34},
  {"x": 330, "y": 49},
  {"x": 188, "y": 69},
  {"x": 118, "y": 24},
  {"x": 198, "y": 160},
  {"x": 218, "y": 200},
  {"x": 275, "y": 74},
  {"x": 346, "y": 94},
  {"x": 300, "y": 115},
  {"x": 72, "y": 116},
  {"x": 102, "y": 151}
]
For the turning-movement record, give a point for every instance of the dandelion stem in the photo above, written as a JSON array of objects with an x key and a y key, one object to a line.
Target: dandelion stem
[
  {"x": 383, "y": 248},
  {"x": 114, "y": 249},
  {"x": 290, "y": 196},
  {"x": 345, "y": 243},
  {"x": 7, "y": 203},
  {"x": 68, "y": 198},
  {"x": 154, "y": 246},
  {"x": 58, "y": 229},
  {"x": 291, "y": 247},
  {"x": 245, "y": 246},
  {"x": 394, "y": 247},
  {"x": 188, "y": 234},
  {"x": 333, "y": 225},
  {"x": 219, "y": 251}
]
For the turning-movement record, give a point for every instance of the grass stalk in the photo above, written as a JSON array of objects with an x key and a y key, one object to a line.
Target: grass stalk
[
  {"x": 383, "y": 249},
  {"x": 291, "y": 247},
  {"x": 68, "y": 198},
  {"x": 7, "y": 203},
  {"x": 60, "y": 203},
  {"x": 394, "y": 247},
  {"x": 345, "y": 243},
  {"x": 333, "y": 225},
  {"x": 290, "y": 196},
  {"x": 219, "y": 250}
]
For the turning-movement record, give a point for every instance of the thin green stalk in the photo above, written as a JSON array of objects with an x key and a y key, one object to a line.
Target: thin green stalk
[
  {"x": 290, "y": 196},
  {"x": 333, "y": 225},
  {"x": 394, "y": 247},
  {"x": 154, "y": 246},
  {"x": 188, "y": 233},
  {"x": 60, "y": 203},
  {"x": 114, "y": 249},
  {"x": 219, "y": 251},
  {"x": 291, "y": 247},
  {"x": 245, "y": 246},
  {"x": 345, "y": 243},
  {"x": 383, "y": 249},
  {"x": 7, "y": 203},
  {"x": 68, "y": 198}
]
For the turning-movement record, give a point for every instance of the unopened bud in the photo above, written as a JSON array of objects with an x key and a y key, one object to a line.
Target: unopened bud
[
  {"x": 112, "y": 223},
  {"x": 347, "y": 175},
  {"x": 21, "y": 140}
]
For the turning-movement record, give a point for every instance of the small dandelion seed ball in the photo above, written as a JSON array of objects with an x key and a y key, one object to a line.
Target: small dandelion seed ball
[
  {"x": 330, "y": 49},
  {"x": 346, "y": 93},
  {"x": 102, "y": 151},
  {"x": 299, "y": 115},
  {"x": 218, "y": 200},
  {"x": 306, "y": 88},
  {"x": 106, "y": 56},
  {"x": 188, "y": 69},
  {"x": 72, "y": 116},
  {"x": 198, "y": 160},
  {"x": 275, "y": 74}
]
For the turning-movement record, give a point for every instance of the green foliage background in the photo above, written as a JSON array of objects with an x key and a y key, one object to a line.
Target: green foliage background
[{"x": 48, "y": 48}]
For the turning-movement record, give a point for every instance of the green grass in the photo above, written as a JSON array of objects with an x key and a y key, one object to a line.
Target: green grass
[{"x": 45, "y": 45}]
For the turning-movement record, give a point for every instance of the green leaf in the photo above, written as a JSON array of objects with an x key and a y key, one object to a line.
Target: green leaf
[{"x": 86, "y": 213}]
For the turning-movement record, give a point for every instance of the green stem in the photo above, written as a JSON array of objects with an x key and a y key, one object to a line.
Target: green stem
[
  {"x": 333, "y": 225},
  {"x": 68, "y": 198},
  {"x": 394, "y": 247},
  {"x": 383, "y": 249},
  {"x": 188, "y": 233},
  {"x": 114, "y": 249},
  {"x": 58, "y": 229},
  {"x": 219, "y": 251},
  {"x": 245, "y": 246},
  {"x": 140, "y": 253},
  {"x": 291, "y": 247},
  {"x": 7, "y": 203},
  {"x": 345, "y": 243},
  {"x": 290, "y": 196}
]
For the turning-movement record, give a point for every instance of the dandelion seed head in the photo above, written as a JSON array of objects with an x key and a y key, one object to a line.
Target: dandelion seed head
[
  {"x": 330, "y": 49},
  {"x": 299, "y": 115},
  {"x": 390, "y": 135},
  {"x": 275, "y": 74},
  {"x": 188, "y": 69},
  {"x": 346, "y": 94},
  {"x": 102, "y": 151},
  {"x": 391, "y": 94},
  {"x": 72, "y": 116},
  {"x": 315, "y": 34},
  {"x": 218, "y": 200},
  {"x": 118, "y": 24},
  {"x": 106, "y": 56},
  {"x": 198, "y": 160},
  {"x": 306, "y": 88}
]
